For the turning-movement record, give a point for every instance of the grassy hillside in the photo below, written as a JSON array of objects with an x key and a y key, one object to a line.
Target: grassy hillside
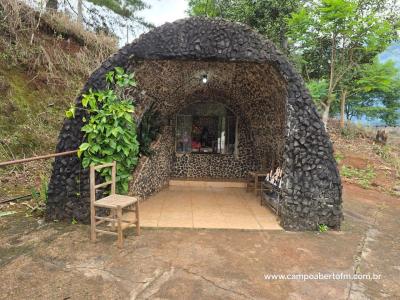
[
  {"x": 363, "y": 161},
  {"x": 44, "y": 62}
]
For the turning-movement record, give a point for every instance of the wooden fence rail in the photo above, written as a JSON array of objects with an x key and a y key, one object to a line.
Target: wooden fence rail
[{"x": 24, "y": 160}]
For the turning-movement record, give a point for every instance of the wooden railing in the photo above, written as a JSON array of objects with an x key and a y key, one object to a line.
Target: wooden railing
[{"x": 24, "y": 160}]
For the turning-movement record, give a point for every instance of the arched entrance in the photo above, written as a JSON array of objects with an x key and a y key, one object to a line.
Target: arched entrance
[
  {"x": 199, "y": 59},
  {"x": 254, "y": 92}
]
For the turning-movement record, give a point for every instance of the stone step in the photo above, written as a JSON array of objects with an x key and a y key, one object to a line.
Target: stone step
[{"x": 208, "y": 183}]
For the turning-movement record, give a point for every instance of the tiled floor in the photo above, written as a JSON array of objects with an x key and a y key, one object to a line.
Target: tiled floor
[{"x": 206, "y": 207}]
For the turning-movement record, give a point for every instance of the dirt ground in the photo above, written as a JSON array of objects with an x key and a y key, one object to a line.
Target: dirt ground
[
  {"x": 360, "y": 151},
  {"x": 57, "y": 260}
]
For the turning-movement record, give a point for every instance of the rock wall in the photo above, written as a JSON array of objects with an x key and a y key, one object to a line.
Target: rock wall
[
  {"x": 153, "y": 172},
  {"x": 311, "y": 189}
]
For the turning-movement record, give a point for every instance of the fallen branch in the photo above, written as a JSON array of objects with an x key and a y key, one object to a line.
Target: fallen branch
[{"x": 16, "y": 199}]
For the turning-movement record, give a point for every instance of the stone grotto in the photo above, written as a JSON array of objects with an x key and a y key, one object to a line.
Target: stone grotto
[{"x": 228, "y": 103}]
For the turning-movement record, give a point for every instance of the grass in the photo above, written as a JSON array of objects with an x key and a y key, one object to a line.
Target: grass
[
  {"x": 38, "y": 81},
  {"x": 40, "y": 77},
  {"x": 383, "y": 151},
  {"x": 389, "y": 155},
  {"x": 30, "y": 119},
  {"x": 39, "y": 199},
  {"x": 56, "y": 54},
  {"x": 28, "y": 124},
  {"x": 352, "y": 131},
  {"x": 338, "y": 157},
  {"x": 363, "y": 177}
]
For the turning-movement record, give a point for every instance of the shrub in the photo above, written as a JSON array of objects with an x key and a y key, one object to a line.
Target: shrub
[
  {"x": 148, "y": 131},
  {"x": 323, "y": 228},
  {"x": 352, "y": 131},
  {"x": 110, "y": 132}
]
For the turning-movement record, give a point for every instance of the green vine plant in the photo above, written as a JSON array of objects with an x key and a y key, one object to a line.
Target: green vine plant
[
  {"x": 110, "y": 132},
  {"x": 148, "y": 131}
]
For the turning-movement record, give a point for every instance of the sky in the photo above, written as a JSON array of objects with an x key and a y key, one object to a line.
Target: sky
[
  {"x": 160, "y": 12},
  {"x": 163, "y": 11},
  {"x": 393, "y": 53}
]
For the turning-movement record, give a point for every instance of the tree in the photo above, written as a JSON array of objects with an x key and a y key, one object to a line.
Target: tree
[
  {"x": 334, "y": 37},
  {"x": 376, "y": 94},
  {"x": 318, "y": 90},
  {"x": 108, "y": 15},
  {"x": 208, "y": 8},
  {"x": 123, "y": 8},
  {"x": 269, "y": 17}
]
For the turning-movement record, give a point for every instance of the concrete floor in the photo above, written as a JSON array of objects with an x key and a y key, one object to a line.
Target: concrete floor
[
  {"x": 207, "y": 207},
  {"x": 57, "y": 260}
]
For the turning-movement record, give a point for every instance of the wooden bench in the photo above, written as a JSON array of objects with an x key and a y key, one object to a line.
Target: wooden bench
[
  {"x": 270, "y": 196},
  {"x": 254, "y": 182},
  {"x": 271, "y": 190}
]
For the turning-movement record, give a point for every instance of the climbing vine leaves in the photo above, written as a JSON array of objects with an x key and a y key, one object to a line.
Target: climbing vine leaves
[{"x": 110, "y": 130}]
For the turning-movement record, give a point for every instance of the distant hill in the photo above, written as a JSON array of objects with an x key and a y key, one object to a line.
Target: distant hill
[{"x": 393, "y": 53}]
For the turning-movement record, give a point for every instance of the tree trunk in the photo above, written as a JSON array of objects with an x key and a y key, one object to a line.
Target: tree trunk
[
  {"x": 127, "y": 32},
  {"x": 342, "y": 107},
  {"x": 283, "y": 39},
  {"x": 327, "y": 105},
  {"x": 80, "y": 11},
  {"x": 325, "y": 114}
]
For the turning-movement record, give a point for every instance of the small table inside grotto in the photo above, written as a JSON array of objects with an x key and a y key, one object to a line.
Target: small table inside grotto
[{"x": 254, "y": 179}]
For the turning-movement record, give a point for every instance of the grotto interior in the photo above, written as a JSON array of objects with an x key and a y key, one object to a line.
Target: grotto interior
[{"x": 192, "y": 99}]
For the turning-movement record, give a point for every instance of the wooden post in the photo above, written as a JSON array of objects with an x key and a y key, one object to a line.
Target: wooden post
[
  {"x": 113, "y": 177},
  {"x": 342, "y": 108},
  {"x": 119, "y": 225},
  {"x": 137, "y": 218},
  {"x": 92, "y": 208}
]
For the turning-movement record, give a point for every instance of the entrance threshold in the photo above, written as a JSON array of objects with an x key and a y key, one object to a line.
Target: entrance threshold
[{"x": 208, "y": 182}]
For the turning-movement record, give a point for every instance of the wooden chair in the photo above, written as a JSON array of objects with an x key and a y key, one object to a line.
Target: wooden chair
[{"x": 117, "y": 204}]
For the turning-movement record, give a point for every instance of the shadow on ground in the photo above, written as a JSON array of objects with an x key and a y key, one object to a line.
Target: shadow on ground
[{"x": 57, "y": 261}]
